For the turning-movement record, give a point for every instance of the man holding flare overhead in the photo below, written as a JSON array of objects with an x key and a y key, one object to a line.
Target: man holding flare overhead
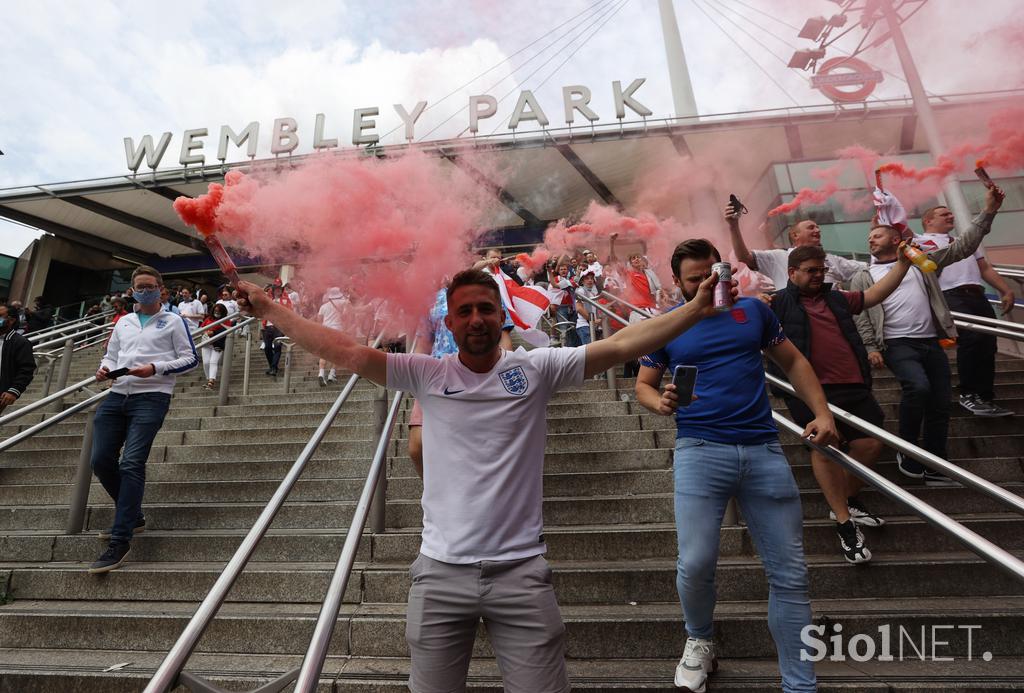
[{"x": 482, "y": 549}]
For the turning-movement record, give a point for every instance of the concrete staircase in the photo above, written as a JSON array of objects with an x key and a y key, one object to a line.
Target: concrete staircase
[{"x": 608, "y": 511}]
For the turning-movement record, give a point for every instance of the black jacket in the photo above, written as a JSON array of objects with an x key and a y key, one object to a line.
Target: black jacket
[
  {"x": 795, "y": 323},
  {"x": 17, "y": 364}
]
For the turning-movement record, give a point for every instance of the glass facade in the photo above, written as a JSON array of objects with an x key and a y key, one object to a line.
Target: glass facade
[{"x": 845, "y": 218}]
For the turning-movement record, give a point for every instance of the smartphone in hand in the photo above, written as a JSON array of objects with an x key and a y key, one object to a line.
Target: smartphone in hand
[
  {"x": 117, "y": 373},
  {"x": 684, "y": 378}
]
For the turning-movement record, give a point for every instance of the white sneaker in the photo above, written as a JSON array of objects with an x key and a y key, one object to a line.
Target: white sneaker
[{"x": 697, "y": 662}]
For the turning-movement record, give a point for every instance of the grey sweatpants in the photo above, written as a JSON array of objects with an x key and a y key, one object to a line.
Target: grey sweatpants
[{"x": 517, "y": 603}]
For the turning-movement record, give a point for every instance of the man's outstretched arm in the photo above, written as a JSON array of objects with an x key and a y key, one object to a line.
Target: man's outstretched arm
[
  {"x": 743, "y": 254},
  {"x": 642, "y": 338},
  {"x": 332, "y": 345}
]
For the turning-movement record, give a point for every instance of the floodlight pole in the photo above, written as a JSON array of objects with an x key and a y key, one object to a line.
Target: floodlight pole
[{"x": 951, "y": 185}]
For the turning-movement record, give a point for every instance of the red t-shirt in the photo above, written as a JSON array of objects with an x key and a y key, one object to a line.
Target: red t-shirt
[
  {"x": 832, "y": 357},
  {"x": 639, "y": 291}
]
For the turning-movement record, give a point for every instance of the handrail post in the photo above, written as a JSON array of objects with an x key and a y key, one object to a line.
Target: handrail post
[
  {"x": 378, "y": 506},
  {"x": 48, "y": 382},
  {"x": 248, "y": 359},
  {"x": 606, "y": 329},
  {"x": 288, "y": 366},
  {"x": 83, "y": 480},
  {"x": 225, "y": 370},
  {"x": 65, "y": 369}
]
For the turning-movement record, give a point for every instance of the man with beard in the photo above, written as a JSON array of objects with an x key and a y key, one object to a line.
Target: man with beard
[
  {"x": 727, "y": 445},
  {"x": 483, "y": 538},
  {"x": 818, "y": 319}
]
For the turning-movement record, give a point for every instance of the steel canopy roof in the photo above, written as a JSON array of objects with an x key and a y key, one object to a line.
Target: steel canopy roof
[{"x": 551, "y": 174}]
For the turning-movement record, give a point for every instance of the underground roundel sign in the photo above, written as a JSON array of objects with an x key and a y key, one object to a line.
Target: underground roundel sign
[{"x": 846, "y": 72}]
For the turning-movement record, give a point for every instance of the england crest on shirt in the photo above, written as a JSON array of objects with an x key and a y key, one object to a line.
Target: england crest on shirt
[{"x": 514, "y": 380}]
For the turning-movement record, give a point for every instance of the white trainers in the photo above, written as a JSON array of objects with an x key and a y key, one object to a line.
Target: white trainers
[{"x": 697, "y": 662}]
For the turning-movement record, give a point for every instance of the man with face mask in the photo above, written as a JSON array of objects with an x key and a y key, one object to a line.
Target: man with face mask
[
  {"x": 17, "y": 365},
  {"x": 155, "y": 346}
]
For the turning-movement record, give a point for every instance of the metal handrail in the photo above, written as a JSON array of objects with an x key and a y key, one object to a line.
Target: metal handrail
[
  {"x": 926, "y": 458},
  {"x": 611, "y": 314},
  {"x": 71, "y": 389},
  {"x": 1013, "y": 272},
  {"x": 67, "y": 326},
  {"x": 638, "y": 309},
  {"x": 316, "y": 653},
  {"x": 991, "y": 322},
  {"x": 972, "y": 540},
  {"x": 84, "y": 404},
  {"x": 170, "y": 670},
  {"x": 997, "y": 331},
  {"x": 74, "y": 335}
]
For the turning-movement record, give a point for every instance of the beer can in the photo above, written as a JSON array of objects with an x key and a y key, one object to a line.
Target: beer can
[{"x": 723, "y": 289}]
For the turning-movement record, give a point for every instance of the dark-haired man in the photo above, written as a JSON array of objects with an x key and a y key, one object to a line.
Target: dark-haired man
[
  {"x": 155, "y": 346},
  {"x": 962, "y": 285},
  {"x": 818, "y": 320},
  {"x": 727, "y": 446},
  {"x": 17, "y": 364},
  {"x": 483, "y": 537},
  {"x": 904, "y": 331},
  {"x": 772, "y": 262}
]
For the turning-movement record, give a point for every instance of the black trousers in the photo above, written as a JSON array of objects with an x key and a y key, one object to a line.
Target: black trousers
[{"x": 975, "y": 351}]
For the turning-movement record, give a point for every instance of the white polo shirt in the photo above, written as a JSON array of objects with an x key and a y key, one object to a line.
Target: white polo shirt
[{"x": 484, "y": 436}]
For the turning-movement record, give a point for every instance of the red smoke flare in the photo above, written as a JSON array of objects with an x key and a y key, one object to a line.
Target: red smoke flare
[
  {"x": 534, "y": 262},
  {"x": 806, "y": 196}
]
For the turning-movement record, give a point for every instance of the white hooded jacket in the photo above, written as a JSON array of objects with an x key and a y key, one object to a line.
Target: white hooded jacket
[{"x": 165, "y": 341}]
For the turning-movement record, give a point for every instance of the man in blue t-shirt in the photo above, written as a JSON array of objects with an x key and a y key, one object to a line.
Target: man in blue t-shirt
[{"x": 727, "y": 445}]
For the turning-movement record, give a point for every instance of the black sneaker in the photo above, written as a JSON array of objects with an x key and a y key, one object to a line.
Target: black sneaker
[
  {"x": 909, "y": 467},
  {"x": 859, "y": 514},
  {"x": 990, "y": 409},
  {"x": 323, "y": 381},
  {"x": 851, "y": 540},
  {"x": 112, "y": 558},
  {"x": 139, "y": 528},
  {"x": 938, "y": 479}
]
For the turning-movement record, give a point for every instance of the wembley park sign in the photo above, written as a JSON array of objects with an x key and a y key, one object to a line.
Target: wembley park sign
[{"x": 285, "y": 132}]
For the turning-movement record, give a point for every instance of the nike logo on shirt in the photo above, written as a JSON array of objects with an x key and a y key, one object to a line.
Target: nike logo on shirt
[{"x": 451, "y": 392}]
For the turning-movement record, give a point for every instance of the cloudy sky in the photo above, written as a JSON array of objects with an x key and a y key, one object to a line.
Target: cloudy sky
[{"x": 78, "y": 77}]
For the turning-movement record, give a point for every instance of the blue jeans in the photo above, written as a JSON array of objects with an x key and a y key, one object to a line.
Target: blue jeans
[
  {"x": 131, "y": 422},
  {"x": 583, "y": 334},
  {"x": 922, "y": 368},
  {"x": 707, "y": 475}
]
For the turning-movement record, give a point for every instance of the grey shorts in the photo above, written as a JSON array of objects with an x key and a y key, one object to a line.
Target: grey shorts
[{"x": 517, "y": 603}]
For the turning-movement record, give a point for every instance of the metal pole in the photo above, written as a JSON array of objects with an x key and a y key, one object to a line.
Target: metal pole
[
  {"x": 611, "y": 375},
  {"x": 65, "y": 369},
  {"x": 378, "y": 506},
  {"x": 225, "y": 370},
  {"x": 950, "y": 186},
  {"x": 288, "y": 366},
  {"x": 49, "y": 376},
  {"x": 83, "y": 479},
  {"x": 248, "y": 359}
]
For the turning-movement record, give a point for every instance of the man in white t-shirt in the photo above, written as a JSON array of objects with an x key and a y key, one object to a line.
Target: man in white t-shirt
[
  {"x": 331, "y": 315},
  {"x": 225, "y": 300},
  {"x": 587, "y": 289},
  {"x": 191, "y": 309},
  {"x": 774, "y": 263},
  {"x": 484, "y": 433},
  {"x": 904, "y": 332},
  {"x": 962, "y": 285}
]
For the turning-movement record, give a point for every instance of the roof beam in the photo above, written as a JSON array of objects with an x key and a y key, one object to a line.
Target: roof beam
[
  {"x": 794, "y": 141},
  {"x": 506, "y": 199},
  {"x": 164, "y": 191},
  {"x": 145, "y": 225},
  {"x": 73, "y": 235},
  {"x": 908, "y": 128},
  {"x": 588, "y": 175}
]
